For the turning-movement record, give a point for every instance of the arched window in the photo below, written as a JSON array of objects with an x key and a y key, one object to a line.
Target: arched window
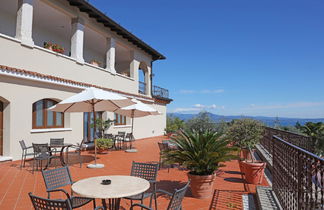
[{"x": 43, "y": 118}]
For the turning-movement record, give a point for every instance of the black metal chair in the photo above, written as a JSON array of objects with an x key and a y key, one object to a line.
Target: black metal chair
[
  {"x": 56, "y": 142},
  {"x": 25, "y": 152},
  {"x": 129, "y": 138},
  {"x": 60, "y": 177},
  {"x": 175, "y": 202},
  {"x": 42, "y": 152},
  {"x": 163, "y": 148},
  {"x": 149, "y": 172},
  {"x": 119, "y": 139},
  {"x": 40, "y": 203},
  {"x": 78, "y": 148}
]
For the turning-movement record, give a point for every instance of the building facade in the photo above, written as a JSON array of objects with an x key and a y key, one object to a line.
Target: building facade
[{"x": 53, "y": 49}]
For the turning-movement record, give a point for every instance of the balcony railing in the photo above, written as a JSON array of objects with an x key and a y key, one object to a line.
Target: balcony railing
[
  {"x": 298, "y": 176},
  {"x": 302, "y": 141},
  {"x": 142, "y": 88},
  {"x": 160, "y": 92}
]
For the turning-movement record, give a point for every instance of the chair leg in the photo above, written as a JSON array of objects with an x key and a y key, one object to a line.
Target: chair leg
[
  {"x": 94, "y": 203},
  {"x": 80, "y": 158},
  {"x": 25, "y": 156},
  {"x": 22, "y": 159}
]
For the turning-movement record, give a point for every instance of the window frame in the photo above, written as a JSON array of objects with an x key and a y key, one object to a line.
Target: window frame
[
  {"x": 121, "y": 119},
  {"x": 44, "y": 112}
]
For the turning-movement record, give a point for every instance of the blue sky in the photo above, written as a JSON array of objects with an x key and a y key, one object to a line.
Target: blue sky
[{"x": 233, "y": 57}]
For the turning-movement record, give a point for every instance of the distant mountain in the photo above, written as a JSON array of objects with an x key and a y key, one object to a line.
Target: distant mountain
[{"x": 269, "y": 121}]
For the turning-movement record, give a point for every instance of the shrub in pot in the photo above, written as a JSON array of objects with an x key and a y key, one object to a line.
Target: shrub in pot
[
  {"x": 201, "y": 152},
  {"x": 103, "y": 144},
  {"x": 246, "y": 134}
]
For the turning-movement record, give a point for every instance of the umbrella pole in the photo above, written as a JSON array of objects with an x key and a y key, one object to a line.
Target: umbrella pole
[
  {"x": 94, "y": 131},
  {"x": 95, "y": 165},
  {"x": 132, "y": 121}
]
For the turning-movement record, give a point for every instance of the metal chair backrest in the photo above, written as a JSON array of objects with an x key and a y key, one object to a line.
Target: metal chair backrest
[
  {"x": 40, "y": 148},
  {"x": 146, "y": 171},
  {"x": 56, "y": 141},
  {"x": 163, "y": 147},
  {"x": 177, "y": 197},
  {"x": 129, "y": 136},
  {"x": 121, "y": 133},
  {"x": 40, "y": 203},
  {"x": 109, "y": 136},
  {"x": 23, "y": 145},
  {"x": 57, "y": 178}
]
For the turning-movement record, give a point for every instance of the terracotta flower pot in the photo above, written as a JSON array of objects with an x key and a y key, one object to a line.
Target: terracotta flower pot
[
  {"x": 253, "y": 171},
  {"x": 202, "y": 186},
  {"x": 245, "y": 154},
  {"x": 242, "y": 166}
]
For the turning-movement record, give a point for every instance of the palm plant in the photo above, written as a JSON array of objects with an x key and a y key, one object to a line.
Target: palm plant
[
  {"x": 201, "y": 152},
  {"x": 316, "y": 132}
]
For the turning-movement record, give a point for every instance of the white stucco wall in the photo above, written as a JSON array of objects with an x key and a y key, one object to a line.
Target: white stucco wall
[{"x": 18, "y": 114}]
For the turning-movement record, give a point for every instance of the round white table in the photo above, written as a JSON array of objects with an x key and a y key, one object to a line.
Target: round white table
[{"x": 121, "y": 186}]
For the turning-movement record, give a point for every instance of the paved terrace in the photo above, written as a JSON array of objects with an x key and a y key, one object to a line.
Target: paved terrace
[{"x": 16, "y": 183}]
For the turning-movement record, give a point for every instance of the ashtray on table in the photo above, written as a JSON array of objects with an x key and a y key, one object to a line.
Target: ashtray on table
[{"x": 106, "y": 182}]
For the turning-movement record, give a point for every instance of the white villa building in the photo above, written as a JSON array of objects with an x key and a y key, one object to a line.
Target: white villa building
[{"x": 36, "y": 72}]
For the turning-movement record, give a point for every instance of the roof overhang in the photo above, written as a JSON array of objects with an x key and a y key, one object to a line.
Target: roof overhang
[{"x": 112, "y": 25}]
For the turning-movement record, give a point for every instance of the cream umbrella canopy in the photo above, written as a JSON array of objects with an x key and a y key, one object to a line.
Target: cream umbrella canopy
[
  {"x": 138, "y": 109},
  {"x": 92, "y": 100}
]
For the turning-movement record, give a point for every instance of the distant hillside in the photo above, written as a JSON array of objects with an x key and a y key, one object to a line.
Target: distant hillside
[{"x": 270, "y": 121}]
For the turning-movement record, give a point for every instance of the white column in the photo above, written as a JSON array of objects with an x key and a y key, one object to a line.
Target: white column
[
  {"x": 148, "y": 80},
  {"x": 110, "y": 55},
  {"x": 134, "y": 65},
  {"x": 77, "y": 40},
  {"x": 24, "y": 25}
]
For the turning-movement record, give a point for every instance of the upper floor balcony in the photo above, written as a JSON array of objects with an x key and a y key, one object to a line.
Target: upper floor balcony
[{"x": 61, "y": 40}]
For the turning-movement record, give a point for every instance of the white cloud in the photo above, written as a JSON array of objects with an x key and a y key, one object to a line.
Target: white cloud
[
  {"x": 197, "y": 108},
  {"x": 205, "y": 91},
  {"x": 286, "y": 106}
]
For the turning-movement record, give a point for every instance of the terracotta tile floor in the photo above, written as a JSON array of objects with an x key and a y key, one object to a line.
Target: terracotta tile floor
[{"x": 15, "y": 183}]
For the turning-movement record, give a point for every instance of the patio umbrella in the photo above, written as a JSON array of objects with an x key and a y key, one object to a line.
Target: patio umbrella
[
  {"x": 138, "y": 109},
  {"x": 92, "y": 100}
]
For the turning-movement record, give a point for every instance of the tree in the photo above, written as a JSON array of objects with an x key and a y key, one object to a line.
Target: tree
[
  {"x": 201, "y": 122},
  {"x": 174, "y": 124},
  {"x": 316, "y": 132}
]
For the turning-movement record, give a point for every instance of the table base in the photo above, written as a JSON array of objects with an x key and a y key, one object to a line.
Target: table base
[
  {"x": 113, "y": 204},
  {"x": 96, "y": 165}
]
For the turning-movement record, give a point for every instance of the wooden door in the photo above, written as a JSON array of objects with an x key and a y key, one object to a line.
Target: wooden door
[{"x": 1, "y": 128}]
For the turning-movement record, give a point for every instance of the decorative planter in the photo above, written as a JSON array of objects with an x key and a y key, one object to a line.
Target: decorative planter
[
  {"x": 202, "y": 186},
  {"x": 241, "y": 164},
  {"x": 245, "y": 154},
  {"x": 253, "y": 171},
  {"x": 49, "y": 47},
  {"x": 94, "y": 63}
]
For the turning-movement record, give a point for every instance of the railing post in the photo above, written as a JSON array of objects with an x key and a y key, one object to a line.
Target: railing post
[{"x": 299, "y": 180}]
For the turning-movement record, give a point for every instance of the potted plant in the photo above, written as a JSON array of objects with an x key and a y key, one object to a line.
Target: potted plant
[
  {"x": 58, "y": 48},
  {"x": 103, "y": 144},
  {"x": 246, "y": 134},
  {"x": 201, "y": 152},
  {"x": 48, "y": 45},
  {"x": 95, "y": 62}
]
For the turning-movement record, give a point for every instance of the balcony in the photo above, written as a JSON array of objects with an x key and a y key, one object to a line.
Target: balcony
[
  {"x": 142, "y": 88},
  {"x": 159, "y": 92}
]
